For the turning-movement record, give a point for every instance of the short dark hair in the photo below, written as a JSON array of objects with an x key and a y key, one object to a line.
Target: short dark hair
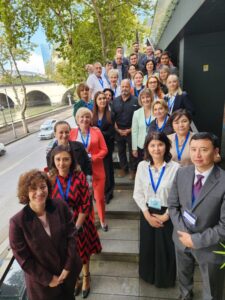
[
  {"x": 134, "y": 43},
  {"x": 165, "y": 53},
  {"x": 159, "y": 136},
  {"x": 29, "y": 180},
  {"x": 206, "y": 136},
  {"x": 109, "y": 90},
  {"x": 154, "y": 64},
  {"x": 133, "y": 54},
  {"x": 108, "y": 62},
  {"x": 61, "y": 123},
  {"x": 177, "y": 114}
]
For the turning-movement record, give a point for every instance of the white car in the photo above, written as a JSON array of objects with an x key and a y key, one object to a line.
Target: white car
[
  {"x": 2, "y": 149},
  {"x": 47, "y": 130}
]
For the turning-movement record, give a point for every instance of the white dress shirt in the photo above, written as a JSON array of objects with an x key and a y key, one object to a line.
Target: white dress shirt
[
  {"x": 205, "y": 174},
  {"x": 143, "y": 189},
  {"x": 94, "y": 84}
]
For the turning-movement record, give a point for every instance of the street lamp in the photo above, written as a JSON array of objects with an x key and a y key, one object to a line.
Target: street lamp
[{"x": 3, "y": 114}]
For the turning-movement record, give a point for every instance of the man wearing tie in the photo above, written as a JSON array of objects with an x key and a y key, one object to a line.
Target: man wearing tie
[{"x": 197, "y": 210}]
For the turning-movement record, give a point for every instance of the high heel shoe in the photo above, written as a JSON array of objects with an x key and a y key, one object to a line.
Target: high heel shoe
[
  {"x": 77, "y": 288},
  {"x": 86, "y": 292}
]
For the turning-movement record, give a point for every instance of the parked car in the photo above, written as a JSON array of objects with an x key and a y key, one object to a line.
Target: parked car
[
  {"x": 47, "y": 130},
  {"x": 2, "y": 149}
]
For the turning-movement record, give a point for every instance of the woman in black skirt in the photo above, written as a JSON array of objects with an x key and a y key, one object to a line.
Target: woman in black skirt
[
  {"x": 103, "y": 120},
  {"x": 153, "y": 182}
]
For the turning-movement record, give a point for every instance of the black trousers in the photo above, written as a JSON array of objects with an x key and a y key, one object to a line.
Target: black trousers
[
  {"x": 157, "y": 263},
  {"x": 109, "y": 173},
  {"x": 122, "y": 143}
]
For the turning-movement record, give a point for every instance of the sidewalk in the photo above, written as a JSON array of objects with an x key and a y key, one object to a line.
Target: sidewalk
[{"x": 7, "y": 136}]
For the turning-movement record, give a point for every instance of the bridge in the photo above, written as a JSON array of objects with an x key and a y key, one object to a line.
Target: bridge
[{"x": 38, "y": 93}]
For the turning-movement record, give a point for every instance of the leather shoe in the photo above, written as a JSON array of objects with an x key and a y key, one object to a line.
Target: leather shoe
[
  {"x": 122, "y": 173},
  {"x": 189, "y": 296},
  {"x": 86, "y": 292}
]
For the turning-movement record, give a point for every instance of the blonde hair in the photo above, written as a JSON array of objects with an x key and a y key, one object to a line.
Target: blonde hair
[
  {"x": 113, "y": 72},
  {"x": 83, "y": 111},
  {"x": 161, "y": 102},
  {"x": 147, "y": 92},
  {"x": 179, "y": 90}
]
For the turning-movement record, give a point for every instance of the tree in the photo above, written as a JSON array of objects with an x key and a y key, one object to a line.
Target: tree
[
  {"x": 17, "y": 25},
  {"x": 86, "y": 31}
]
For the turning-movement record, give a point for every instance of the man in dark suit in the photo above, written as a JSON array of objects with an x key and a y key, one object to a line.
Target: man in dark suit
[{"x": 197, "y": 209}]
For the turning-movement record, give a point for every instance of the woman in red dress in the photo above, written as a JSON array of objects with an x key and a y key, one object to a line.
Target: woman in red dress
[{"x": 71, "y": 186}]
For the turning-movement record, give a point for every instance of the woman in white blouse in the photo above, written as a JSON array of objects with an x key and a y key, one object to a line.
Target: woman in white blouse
[{"x": 153, "y": 182}]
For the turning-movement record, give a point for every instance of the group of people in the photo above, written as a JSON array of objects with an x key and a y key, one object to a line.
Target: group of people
[{"x": 138, "y": 103}]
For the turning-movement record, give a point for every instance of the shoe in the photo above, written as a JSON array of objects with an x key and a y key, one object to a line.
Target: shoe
[
  {"x": 77, "y": 287},
  {"x": 189, "y": 296},
  {"x": 108, "y": 197},
  {"x": 105, "y": 227},
  {"x": 132, "y": 175},
  {"x": 86, "y": 292},
  {"x": 122, "y": 173}
]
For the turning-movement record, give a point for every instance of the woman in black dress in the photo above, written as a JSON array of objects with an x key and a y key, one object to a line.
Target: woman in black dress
[
  {"x": 102, "y": 119},
  {"x": 153, "y": 181}
]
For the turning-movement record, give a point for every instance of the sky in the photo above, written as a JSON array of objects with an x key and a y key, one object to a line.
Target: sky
[{"x": 35, "y": 63}]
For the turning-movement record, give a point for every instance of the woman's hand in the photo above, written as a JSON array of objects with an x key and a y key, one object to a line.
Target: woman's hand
[
  {"x": 152, "y": 220},
  {"x": 135, "y": 153},
  {"x": 54, "y": 282},
  {"x": 63, "y": 276},
  {"x": 163, "y": 218}
]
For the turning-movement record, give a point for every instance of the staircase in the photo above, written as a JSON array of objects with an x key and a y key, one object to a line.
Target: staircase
[{"x": 114, "y": 272}]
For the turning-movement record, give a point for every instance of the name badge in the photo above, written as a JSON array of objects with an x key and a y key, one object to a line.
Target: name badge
[
  {"x": 154, "y": 203},
  {"x": 189, "y": 217}
]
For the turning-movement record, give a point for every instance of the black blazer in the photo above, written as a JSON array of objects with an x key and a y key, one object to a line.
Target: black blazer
[
  {"x": 108, "y": 132},
  {"x": 79, "y": 155},
  {"x": 124, "y": 70},
  {"x": 167, "y": 129},
  {"x": 182, "y": 101}
]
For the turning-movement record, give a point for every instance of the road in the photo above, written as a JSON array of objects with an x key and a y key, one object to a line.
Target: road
[{"x": 21, "y": 156}]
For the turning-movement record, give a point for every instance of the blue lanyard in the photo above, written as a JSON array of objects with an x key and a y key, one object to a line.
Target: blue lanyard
[
  {"x": 148, "y": 121},
  {"x": 64, "y": 195},
  {"x": 180, "y": 152},
  {"x": 171, "y": 104},
  {"x": 85, "y": 142},
  {"x": 137, "y": 92},
  {"x": 155, "y": 188},
  {"x": 163, "y": 125},
  {"x": 101, "y": 82},
  {"x": 99, "y": 122},
  {"x": 106, "y": 79}
]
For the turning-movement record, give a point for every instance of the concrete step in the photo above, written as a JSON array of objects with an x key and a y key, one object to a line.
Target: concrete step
[
  {"x": 115, "y": 280},
  {"x": 122, "y": 206},
  {"x": 121, "y": 242},
  {"x": 123, "y": 183}
]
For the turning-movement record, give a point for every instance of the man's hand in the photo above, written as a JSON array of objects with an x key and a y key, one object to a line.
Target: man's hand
[
  {"x": 185, "y": 239},
  {"x": 135, "y": 153}
]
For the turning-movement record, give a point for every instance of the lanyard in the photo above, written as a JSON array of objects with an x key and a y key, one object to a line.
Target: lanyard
[
  {"x": 137, "y": 92},
  {"x": 64, "y": 195},
  {"x": 155, "y": 188},
  {"x": 99, "y": 122},
  {"x": 101, "y": 82},
  {"x": 171, "y": 103},
  {"x": 85, "y": 142},
  {"x": 148, "y": 121},
  {"x": 180, "y": 152},
  {"x": 106, "y": 78},
  {"x": 163, "y": 125}
]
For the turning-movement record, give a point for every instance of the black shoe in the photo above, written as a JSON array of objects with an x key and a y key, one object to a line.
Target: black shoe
[
  {"x": 86, "y": 292},
  {"x": 108, "y": 197},
  {"x": 189, "y": 296},
  {"x": 77, "y": 288},
  {"x": 105, "y": 227}
]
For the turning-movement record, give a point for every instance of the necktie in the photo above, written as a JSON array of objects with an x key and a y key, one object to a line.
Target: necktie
[{"x": 197, "y": 187}]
